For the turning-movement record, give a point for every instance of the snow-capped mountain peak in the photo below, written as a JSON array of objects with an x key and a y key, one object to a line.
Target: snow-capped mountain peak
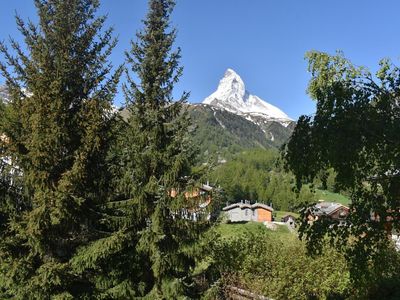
[
  {"x": 231, "y": 83},
  {"x": 232, "y": 95}
]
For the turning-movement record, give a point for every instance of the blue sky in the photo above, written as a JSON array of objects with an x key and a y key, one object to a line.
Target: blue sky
[{"x": 264, "y": 41}]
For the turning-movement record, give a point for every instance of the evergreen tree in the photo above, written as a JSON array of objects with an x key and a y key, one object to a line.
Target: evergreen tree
[
  {"x": 55, "y": 131},
  {"x": 157, "y": 155},
  {"x": 147, "y": 252}
]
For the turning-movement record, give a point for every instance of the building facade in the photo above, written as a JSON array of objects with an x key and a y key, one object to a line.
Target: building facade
[{"x": 244, "y": 212}]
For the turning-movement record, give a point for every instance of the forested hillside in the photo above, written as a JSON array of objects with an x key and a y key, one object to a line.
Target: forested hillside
[
  {"x": 219, "y": 132},
  {"x": 257, "y": 175}
]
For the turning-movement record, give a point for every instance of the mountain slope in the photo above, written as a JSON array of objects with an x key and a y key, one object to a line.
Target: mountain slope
[
  {"x": 218, "y": 131},
  {"x": 221, "y": 132}
]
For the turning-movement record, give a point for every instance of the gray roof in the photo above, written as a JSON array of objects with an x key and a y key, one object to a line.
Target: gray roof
[
  {"x": 326, "y": 208},
  {"x": 246, "y": 205}
]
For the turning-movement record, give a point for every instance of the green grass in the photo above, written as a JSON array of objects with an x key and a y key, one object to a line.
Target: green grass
[
  {"x": 332, "y": 197},
  {"x": 232, "y": 229}
]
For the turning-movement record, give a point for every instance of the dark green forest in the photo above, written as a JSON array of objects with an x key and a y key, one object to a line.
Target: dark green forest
[{"x": 258, "y": 175}]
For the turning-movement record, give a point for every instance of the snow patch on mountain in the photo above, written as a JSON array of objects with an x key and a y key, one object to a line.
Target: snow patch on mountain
[
  {"x": 219, "y": 122},
  {"x": 272, "y": 136},
  {"x": 232, "y": 95}
]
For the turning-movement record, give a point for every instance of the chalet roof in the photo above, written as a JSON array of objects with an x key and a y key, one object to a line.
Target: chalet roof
[
  {"x": 247, "y": 205},
  {"x": 327, "y": 208}
]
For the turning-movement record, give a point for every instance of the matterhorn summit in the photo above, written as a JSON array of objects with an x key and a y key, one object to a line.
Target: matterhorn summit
[{"x": 232, "y": 96}]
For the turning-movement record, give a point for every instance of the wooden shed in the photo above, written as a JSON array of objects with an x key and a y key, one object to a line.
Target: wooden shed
[{"x": 263, "y": 212}]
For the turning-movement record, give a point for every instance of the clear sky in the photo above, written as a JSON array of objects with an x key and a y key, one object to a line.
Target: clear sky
[{"x": 264, "y": 41}]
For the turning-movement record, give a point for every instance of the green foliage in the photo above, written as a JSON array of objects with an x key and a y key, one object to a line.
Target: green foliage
[
  {"x": 384, "y": 279},
  {"x": 255, "y": 175},
  {"x": 152, "y": 157},
  {"x": 273, "y": 264},
  {"x": 354, "y": 132},
  {"x": 276, "y": 264},
  {"x": 56, "y": 132}
]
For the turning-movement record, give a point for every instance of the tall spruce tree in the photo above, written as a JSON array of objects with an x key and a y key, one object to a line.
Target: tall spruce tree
[
  {"x": 55, "y": 131},
  {"x": 155, "y": 155}
]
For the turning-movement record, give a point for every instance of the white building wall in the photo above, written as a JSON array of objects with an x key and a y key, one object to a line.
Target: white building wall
[{"x": 240, "y": 215}]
